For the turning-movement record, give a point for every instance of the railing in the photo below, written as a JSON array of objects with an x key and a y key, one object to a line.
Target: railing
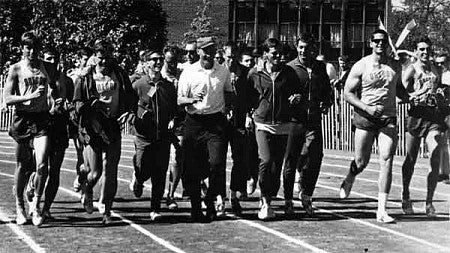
[{"x": 336, "y": 125}]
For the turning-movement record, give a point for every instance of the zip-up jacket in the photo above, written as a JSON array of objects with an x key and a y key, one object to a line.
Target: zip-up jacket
[
  {"x": 156, "y": 107},
  {"x": 270, "y": 99},
  {"x": 317, "y": 90}
]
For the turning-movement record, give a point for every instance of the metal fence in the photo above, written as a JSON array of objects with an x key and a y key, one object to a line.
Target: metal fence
[{"x": 336, "y": 125}]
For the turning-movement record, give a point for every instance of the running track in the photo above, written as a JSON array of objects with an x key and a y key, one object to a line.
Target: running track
[{"x": 339, "y": 226}]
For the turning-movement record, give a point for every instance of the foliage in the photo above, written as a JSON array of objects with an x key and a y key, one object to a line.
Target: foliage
[
  {"x": 201, "y": 25},
  {"x": 432, "y": 17},
  {"x": 67, "y": 25}
]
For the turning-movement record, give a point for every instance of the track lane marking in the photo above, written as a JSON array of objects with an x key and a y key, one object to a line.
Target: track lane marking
[
  {"x": 18, "y": 231},
  {"x": 155, "y": 238},
  {"x": 161, "y": 241}
]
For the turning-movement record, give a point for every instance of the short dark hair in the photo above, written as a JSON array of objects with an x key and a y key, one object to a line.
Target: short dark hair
[
  {"x": 245, "y": 52},
  {"x": 343, "y": 58},
  {"x": 173, "y": 49},
  {"x": 379, "y": 31},
  {"x": 305, "y": 37},
  {"x": 148, "y": 54},
  {"x": 30, "y": 39},
  {"x": 51, "y": 51},
  {"x": 271, "y": 42},
  {"x": 424, "y": 39}
]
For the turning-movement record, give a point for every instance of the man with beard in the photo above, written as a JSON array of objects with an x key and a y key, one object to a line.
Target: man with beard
[
  {"x": 104, "y": 99},
  {"x": 203, "y": 90},
  {"x": 274, "y": 90},
  {"x": 156, "y": 109},
  {"x": 371, "y": 87},
  {"x": 304, "y": 148},
  {"x": 29, "y": 87}
]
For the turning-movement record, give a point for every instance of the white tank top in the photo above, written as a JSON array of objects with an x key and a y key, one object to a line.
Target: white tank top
[
  {"x": 28, "y": 82},
  {"x": 379, "y": 87}
]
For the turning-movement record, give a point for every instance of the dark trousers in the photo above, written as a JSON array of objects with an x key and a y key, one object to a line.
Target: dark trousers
[
  {"x": 304, "y": 151},
  {"x": 151, "y": 161},
  {"x": 251, "y": 158},
  {"x": 236, "y": 137},
  {"x": 204, "y": 148},
  {"x": 271, "y": 152}
]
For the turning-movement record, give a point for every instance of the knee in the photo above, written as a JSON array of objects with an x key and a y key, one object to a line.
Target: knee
[
  {"x": 357, "y": 166},
  {"x": 42, "y": 169}
]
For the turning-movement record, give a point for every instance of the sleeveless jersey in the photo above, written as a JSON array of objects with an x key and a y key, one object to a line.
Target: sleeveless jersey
[
  {"x": 426, "y": 84},
  {"x": 28, "y": 82},
  {"x": 378, "y": 87}
]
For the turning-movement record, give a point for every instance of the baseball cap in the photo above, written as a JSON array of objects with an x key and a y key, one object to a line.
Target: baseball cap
[{"x": 205, "y": 42}]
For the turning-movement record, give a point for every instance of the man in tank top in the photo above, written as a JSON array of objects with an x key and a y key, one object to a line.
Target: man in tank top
[
  {"x": 28, "y": 88},
  {"x": 371, "y": 88},
  {"x": 421, "y": 80}
]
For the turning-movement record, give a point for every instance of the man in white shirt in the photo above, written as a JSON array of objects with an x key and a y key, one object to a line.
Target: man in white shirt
[{"x": 202, "y": 89}]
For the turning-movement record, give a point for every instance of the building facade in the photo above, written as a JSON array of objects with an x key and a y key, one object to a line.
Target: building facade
[{"x": 339, "y": 26}]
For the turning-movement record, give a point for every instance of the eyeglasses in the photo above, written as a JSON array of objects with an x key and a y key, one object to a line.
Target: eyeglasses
[{"x": 377, "y": 41}]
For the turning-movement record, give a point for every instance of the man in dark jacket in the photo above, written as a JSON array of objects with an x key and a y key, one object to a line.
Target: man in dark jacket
[
  {"x": 305, "y": 148},
  {"x": 274, "y": 91},
  {"x": 104, "y": 100},
  {"x": 156, "y": 109}
]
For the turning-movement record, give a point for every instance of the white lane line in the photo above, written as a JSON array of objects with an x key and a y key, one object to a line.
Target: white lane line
[
  {"x": 281, "y": 235},
  {"x": 157, "y": 239},
  {"x": 146, "y": 232},
  {"x": 18, "y": 231},
  {"x": 376, "y": 182},
  {"x": 409, "y": 237}
]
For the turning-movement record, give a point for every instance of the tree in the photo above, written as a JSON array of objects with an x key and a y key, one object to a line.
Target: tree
[
  {"x": 201, "y": 25},
  {"x": 432, "y": 17},
  {"x": 67, "y": 25}
]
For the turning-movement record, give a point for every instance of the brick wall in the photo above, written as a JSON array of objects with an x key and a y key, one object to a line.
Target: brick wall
[{"x": 181, "y": 12}]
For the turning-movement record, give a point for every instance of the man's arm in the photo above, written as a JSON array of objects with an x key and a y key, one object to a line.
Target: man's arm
[
  {"x": 11, "y": 98},
  {"x": 183, "y": 98},
  {"x": 352, "y": 85}
]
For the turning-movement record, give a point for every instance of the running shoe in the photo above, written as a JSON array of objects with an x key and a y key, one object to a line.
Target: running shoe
[
  {"x": 307, "y": 204},
  {"x": 87, "y": 201},
  {"x": 30, "y": 188},
  {"x": 136, "y": 187},
  {"x": 235, "y": 206},
  {"x": 21, "y": 218},
  {"x": 100, "y": 207},
  {"x": 430, "y": 210},
  {"x": 346, "y": 188},
  {"x": 155, "y": 216},
  {"x": 204, "y": 188},
  {"x": 36, "y": 214},
  {"x": 211, "y": 213},
  {"x": 171, "y": 204},
  {"x": 251, "y": 186},
  {"x": 384, "y": 217},
  {"x": 289, "y": 207},
  {"x": 107, "y": 220},
  {"x": 266, "y": 213},
  {"x": 407, "y": 206}
]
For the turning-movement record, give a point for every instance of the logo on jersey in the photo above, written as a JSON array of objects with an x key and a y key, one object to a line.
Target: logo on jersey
[{"x": 34, "y": 82}]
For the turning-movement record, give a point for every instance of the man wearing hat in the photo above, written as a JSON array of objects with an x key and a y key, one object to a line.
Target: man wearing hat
[{"x": 202, "y": 90}]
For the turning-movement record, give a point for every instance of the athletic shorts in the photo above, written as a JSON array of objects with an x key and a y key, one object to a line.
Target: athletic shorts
[
  {"x": 58, "y": 132},
  {"x": 423, "y": 119},
  {"x": 29, "y": 125},
  {"x": 372, "y": 124}
]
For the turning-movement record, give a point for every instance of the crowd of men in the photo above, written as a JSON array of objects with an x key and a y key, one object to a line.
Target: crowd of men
[{"x": 267, "y": 107}]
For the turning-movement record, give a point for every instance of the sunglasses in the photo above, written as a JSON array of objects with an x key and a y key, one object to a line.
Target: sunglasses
[
  {"x": 191, "y": 51},
  {"x": 377, "y": 41}
]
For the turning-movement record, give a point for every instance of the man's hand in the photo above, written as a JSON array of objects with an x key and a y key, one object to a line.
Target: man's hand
[
  {"x": 125, "y": 117},
  {"x": 37, "y": 93},
  {"x": 374, "y": 110},
  {"x": 171, "y": 125},
  {"x": 295, "y": 99}
]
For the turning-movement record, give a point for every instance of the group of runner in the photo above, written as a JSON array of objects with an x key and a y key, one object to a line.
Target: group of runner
[{"x": 266, "y": 107}]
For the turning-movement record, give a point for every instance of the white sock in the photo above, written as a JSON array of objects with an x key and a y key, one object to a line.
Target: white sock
[{"x": 382, "y": 200}]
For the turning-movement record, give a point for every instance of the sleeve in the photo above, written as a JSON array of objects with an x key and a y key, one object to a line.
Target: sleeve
[
  {"x": 227, "y": 86},
  {"x": 130, "y": 94},
  {"x": 252, "y": 94},
  {"x": 183, "y": 85}
]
